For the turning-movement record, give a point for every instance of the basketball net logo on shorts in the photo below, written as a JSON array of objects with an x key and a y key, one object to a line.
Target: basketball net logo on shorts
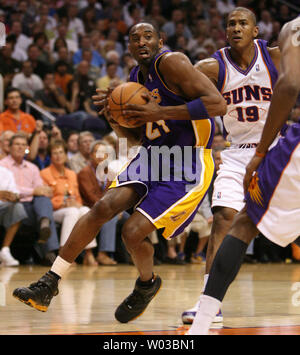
[
  {"x": 155, "y": 163},
  {"x": 254, "y": 191},
  {"x": 2, "y": 35}
]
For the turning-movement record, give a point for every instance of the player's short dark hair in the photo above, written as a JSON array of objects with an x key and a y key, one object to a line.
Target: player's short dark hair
[
  {"x": 244, "y": 9},
  {"x": 156, "y": 29}
]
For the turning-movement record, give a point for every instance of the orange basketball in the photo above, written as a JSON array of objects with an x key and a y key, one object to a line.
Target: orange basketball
[{"x": 127, "y": 93}]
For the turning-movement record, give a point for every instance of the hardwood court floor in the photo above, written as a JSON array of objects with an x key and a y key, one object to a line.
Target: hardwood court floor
[{"x": 264, "y": 299}]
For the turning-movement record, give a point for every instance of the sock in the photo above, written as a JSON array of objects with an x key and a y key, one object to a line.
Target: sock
[
  {"x": 60, "y": 267},
  {"x": 225, "y": 267},
  {"x": 146, "y": 283},
  {"x": 207, "y": 310},
  {"x": 205, "y": 278}
]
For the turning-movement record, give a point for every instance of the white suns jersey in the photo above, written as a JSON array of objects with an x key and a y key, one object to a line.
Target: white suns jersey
[{"x": 248, "y": 93}]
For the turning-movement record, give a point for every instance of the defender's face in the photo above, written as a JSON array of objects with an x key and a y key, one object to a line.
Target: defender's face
[
  {"x": 240, "y": 30},
  {"x": 144, "y": 43}
]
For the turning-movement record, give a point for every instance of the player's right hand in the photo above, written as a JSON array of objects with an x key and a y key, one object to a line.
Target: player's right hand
[{"x": 251, "y": 168}]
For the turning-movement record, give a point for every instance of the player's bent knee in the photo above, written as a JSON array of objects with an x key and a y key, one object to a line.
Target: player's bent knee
[{"x": 132, "y": 235}]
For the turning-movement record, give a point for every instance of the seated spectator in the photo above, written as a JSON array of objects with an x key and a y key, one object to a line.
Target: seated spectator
[
  {"x": 51, "y": 98},
  {"x": 72, "y": 144},
  {"x": 92, "y": 189},
  {"x": 111, "y": 77},
  {"x": 34, "y": 196},
  {"x": 61, "y": 76},
  {"x": 113, "y": 56},
  {"x": 41, "y": 40},
  {"x": 85, "y": 43},
  {"x": 39, "y": 145},
  {"x": 11, "y": 214},
  {"x": 81, "y": 158},
  {"x": 62, "y": 31},
  {"x": 75, "y": 24},
  {"x": 4, "y": 142},
  {"x": 13, "y": 118},
  {"x": 66, "y": 200},
  {"x": 27, "y": 82},
  {"x": 22, "y": 41},
  {"x": 93, "y": 71},
  {"x": 39, "y": 67},
  {"x": 8, "y": 65}
]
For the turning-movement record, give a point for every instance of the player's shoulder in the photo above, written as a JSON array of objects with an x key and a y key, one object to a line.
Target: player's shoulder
[{"x": 174, "y": 57}]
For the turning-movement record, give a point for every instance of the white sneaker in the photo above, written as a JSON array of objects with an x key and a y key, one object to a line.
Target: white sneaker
[
  {"x": 6, "y": 258},
  {"x": 189, "y": 315}
]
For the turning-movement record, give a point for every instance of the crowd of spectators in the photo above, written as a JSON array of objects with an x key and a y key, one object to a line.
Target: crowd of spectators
[{"x": 56, "y": 54}]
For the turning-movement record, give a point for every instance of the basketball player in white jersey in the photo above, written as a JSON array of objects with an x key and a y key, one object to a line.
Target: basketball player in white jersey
[
  {"x": 273, "y": 192},
  {"x": 245, "y": 74}
]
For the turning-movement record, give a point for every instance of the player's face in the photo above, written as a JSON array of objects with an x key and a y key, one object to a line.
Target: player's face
[
  {"x": 144, "y": 43},
  {"x": 240, "y": 29}
]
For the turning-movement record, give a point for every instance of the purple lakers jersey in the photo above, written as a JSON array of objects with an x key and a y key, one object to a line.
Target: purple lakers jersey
[{"x": 171, "y": 132}]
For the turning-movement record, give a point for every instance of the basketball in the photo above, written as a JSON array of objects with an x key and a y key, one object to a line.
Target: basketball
[{"x": 127, "y": 93}]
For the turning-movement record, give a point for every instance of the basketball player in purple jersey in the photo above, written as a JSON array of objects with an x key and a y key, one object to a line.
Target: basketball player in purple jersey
[
  {"x": 245, "y": 74},
  {"x": 272, "y": 185},
  {"x": 177, "y": 114}
]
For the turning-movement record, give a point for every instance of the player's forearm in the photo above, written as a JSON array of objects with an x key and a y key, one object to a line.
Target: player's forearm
[
  {"x": 283, "y": 100},
  {"x": 211, "y": 106}
]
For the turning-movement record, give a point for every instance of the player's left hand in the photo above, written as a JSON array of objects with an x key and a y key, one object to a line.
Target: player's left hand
[
  {"x": 149, "y": 112},
  {"x": 251, "y": 168}
]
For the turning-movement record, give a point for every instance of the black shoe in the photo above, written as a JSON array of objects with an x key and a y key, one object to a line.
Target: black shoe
[
  {"x": 136, "y": 303},
  {"x": 39, "y": 294}
]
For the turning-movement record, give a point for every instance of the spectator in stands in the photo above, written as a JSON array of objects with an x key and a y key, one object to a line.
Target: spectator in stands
[
  {"x": 11, "y": 215},
  {"x": 64, "y": 56},
  {"x": 170, "y": 26},
  {"x": 52, "y": 98},
  {"x": 66, "y": 200},
  {"x": 34, "y": 196},
  {"x": 75, "y": 24},
  {"x": 22, "y": 41},
  {"x": 4, "y": 142},
  {"x": 39, "y": 146},
  {"x": 92, "y": 188},
  {"x": 8, "y": 65},
  {"x": 27, "y": 82},
  {"x": 13, "y": 118},
  {"x": 62, "y": 31},
  {"x": 72, "y": 144},
  {"x": 93, "y": 71},
  {"x": 39, "y": 67},
  {"x": 265, "y": 25},
  {"x": 61, "y": 76},
  {"x": 111, "y": 77},
  {"x": 85, "y": 43},
  {"x": 94, "y": 7},
  {"x": 81, "y": 158},
  {"x": 113, "y": 56},
  {"x": 46, "y": 54}
]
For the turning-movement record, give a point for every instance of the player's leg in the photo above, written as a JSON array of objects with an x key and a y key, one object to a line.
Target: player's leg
[
  {"x": 39, "y": 294},
  {"x": 134, "y": 234},
  {"x": 222, "y": 221},
  {"x": 224, "y": 269}
]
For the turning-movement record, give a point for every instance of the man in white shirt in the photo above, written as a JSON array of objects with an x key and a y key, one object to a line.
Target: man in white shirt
[
  {"x": 11, "y": 214},
  {"x": 26, "y": 81}
]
